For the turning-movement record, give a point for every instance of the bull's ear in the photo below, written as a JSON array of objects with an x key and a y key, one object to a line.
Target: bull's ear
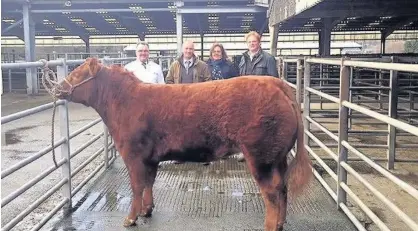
[{"x": 94, "y": 66}]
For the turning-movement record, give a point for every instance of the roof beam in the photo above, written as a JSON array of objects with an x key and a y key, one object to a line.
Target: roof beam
[
  {"x": 15, "y": 24},
  {"x": 131, "y": 23},
  {"x": 221, "y": 9},
  {"x": 60, "y": 2},
  {"x": 390, "y": 30},
  {"x": 356, "y": 13},
  {"x": 71, "y": 26}
]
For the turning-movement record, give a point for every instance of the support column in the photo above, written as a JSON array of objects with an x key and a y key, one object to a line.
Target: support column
[
  {"x": 382, "y": 44},
  {"x": 201, "y": 45},
  {"x": 29, "y": 37},
  {"x": 86, "y": 40},
  {"x": 179, "y": 27},
  {"x": 325, "y": 38},
  {"x": 274, "y": 35}
]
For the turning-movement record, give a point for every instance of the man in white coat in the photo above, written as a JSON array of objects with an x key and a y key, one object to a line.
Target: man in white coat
[{"x": 143, "y": 68}]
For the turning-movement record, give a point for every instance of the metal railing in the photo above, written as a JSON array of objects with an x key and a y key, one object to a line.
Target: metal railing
[
  {"x": 108, "y": 152},
  {"x": 304, "y": 87}
]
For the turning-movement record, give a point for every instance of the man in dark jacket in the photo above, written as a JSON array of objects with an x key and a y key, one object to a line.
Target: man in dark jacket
[{"x": 255, "y": 61}]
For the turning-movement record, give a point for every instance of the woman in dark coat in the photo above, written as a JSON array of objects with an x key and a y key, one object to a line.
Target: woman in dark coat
[{"x": 219, "y": 65}]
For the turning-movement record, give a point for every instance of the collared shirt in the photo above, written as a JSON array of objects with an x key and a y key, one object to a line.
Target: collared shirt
[
  {"x": 187, "y": 65},
  {"x": 150, "y": 73}
]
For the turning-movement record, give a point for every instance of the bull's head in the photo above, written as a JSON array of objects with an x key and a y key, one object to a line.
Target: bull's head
[{"x": 77, "y": 86}]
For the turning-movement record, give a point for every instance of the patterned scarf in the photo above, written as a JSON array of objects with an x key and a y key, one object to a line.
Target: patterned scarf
[{"x": 216, "y": 71}]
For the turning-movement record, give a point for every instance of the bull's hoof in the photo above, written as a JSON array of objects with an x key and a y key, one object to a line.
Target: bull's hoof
[
  {"x": 147, "y": 211},
  {"x": 129, "y": 222}
]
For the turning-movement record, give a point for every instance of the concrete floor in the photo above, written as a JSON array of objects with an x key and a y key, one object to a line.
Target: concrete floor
[{"x": 221, "y": 196}]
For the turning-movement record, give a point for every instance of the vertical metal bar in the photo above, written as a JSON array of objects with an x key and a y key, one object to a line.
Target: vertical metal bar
[
  {"x": 342, "y": 132},
  {"x": 321, "y": 83},
  {"x": 350, "y": 112},
  {"x": 26, "y": 31},
  {"x": 285, "y": 64},
  {"x": 65, "y": 147},
  {"x": 106, "y": 145},
  {"x": 380, "y": 90},
  {"x": 10, "y": 80},
  {"x": 299, "y": 74},
  {"x": 179, "y": 28},
  {"x": 393, "y": 107},
  {"x": 306, "y": 99},
  {"x": 201, "y": 45}
]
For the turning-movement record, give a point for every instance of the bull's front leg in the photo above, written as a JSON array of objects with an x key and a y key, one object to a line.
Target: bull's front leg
[
  {"x": 147, "y": 199},
  {"x": 136, "y": 170}
]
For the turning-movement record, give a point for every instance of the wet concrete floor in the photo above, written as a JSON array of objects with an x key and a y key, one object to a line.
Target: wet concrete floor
[{"x": 191, "y": 196}]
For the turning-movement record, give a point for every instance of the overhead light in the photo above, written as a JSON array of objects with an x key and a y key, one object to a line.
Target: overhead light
[{"x": 67, "y": 3}]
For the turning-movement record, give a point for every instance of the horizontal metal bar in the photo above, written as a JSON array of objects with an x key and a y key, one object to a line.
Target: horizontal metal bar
[
  {"x": 364, "y": 207},
  {"x": 325, "y": 148},
  {"x": 23, "y": 65},
  {"x": 396, "y": 123},
  {"x": 28, "y": 112},
  {"x": 403, "y": 185},
  {"x": 379, "y": 195},
  {"x": 48, "y": 216},
  {"x": 291, "y": 84},
  {"x": 326, "y": 96},
  {"x": 353, "y": 218},
  {"x": 325, "y": 185},
  {"x": 404, "y": 67},
  {"x": 407, "y": 145},
  {"x": 352, "y": 88},
  {"x": 33, "y": 206},
  {"x": 336, "y": 62},
  {"x": 357, "y": 145},
  {"x": 112, "y": 160},
  {"x": 52, "y": 63},
  {"x": 383, "y": 132},
  {"x": 322, "y": 163},
  {"x": 30, "y": 159},
  {"x": 87, "y": 144},
  {"x": 84, "y": 182},
  {"x": 31, "y": 183},
  {"x": 84, "y": 128},
  {"x": 86, "y": 162},
  {"x": 290, "y": 60},
  {"x": 322, "y": 128},
  {"x": 374, "y": 159}
]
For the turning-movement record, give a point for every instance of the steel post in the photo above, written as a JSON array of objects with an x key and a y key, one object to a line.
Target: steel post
[
  {"x": 299, "y": 74},
  {"x": 342, "y": 132},
  {"x": 31, "y": 86},
  {"x": 306, "y": 99},
  {"x": 65, "y": 147},
  {"x": 393, "y": 107},
  {"x": 179, "y": 28}
]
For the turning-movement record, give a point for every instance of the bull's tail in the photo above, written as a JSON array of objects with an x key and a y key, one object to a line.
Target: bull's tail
[{"x": 299, "y": 172}]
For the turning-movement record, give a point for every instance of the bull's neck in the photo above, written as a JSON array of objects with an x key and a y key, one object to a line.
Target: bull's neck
[{"x": 106, "y": 99}]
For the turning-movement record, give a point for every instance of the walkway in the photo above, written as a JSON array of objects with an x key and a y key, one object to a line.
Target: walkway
[{"x": 191, "y": 196}]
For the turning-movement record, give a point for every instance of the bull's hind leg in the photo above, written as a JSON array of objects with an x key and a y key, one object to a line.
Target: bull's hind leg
[
  {"x": 282, "y": 190},
  {"x": 270, "y": 179},
  {"x": 147, "y": 200},
  {"x": 136, "y": 170}
]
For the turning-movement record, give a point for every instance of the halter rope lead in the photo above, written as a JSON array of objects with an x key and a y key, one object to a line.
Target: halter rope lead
[
  {"x": 55, "y": 89},
  {"x": 48, "y": 76}
]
